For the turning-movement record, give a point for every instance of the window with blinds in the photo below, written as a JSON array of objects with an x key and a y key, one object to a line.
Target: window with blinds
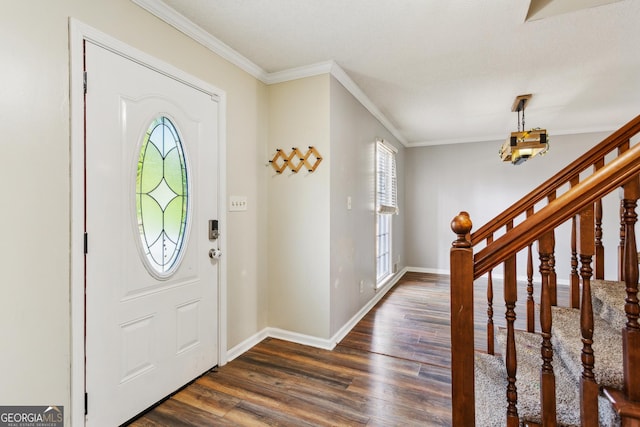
[
  {"x": 386, "y": 180},
  {"x": 386, "y": 206}
]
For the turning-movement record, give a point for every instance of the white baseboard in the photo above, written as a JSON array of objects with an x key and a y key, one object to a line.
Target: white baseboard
[
  {"x": 296, "y": 337},
  {"x": 428, "y": 270},
  {"x": 246, "y": 345},
  {"x": 323, "y": 343},
  {"x": 342, "y": 332}
]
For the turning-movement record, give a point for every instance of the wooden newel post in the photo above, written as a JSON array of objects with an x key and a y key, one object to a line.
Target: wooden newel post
[{"x": 462, "y": 341}]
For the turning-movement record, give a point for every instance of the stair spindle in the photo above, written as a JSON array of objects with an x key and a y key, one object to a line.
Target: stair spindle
[
  {"x": 574, "y": 290},
  {"x": 547, "y": 376},
  {"x": 490, "y": 327},
  {"x": 553, "y": 279},
  {"x": 621, "y": 149},
  {"x": 599, "y": 247},
  {"x": 531, "y": 318},
  {"x": 621, "y": 244},
  {"x": 588, "y": 387},
  {"x": 631, "y": 331},
  {"x": 510, "y": 298},
  {"x": 531, "y": 315}
]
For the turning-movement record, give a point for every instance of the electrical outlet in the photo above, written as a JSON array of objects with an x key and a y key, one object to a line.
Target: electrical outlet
[
  {"x": 237, "y": 203},
  {"x": 361, "y": 286}
]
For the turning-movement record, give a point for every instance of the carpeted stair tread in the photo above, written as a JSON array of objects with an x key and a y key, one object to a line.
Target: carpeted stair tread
[
  {"x": 607, "y": 345},
  {"x": 608, "y": 301},
  {"x": 490, "y": 391},
  {"x": 529, "y": 361}
]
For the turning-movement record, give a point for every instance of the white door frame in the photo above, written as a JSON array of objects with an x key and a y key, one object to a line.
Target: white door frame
[{"x": 78, "y": 33}]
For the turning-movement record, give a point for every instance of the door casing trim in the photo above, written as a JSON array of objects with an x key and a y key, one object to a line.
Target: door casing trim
[{"x": 78, "y": 34}]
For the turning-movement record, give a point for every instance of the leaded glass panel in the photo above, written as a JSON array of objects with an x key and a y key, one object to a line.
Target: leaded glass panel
[{"x": 162, "y": 196}]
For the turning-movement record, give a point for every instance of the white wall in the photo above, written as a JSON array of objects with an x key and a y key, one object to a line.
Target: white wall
[
  {"x": 298, "y": 253},
  {"x": 35, "y": 229},
  {"x": 353, "y": 134},
  {"x": 444, "y": 180}
]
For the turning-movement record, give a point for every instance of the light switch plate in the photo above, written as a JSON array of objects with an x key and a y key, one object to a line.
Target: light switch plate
[{"x": 237, "y": 203}]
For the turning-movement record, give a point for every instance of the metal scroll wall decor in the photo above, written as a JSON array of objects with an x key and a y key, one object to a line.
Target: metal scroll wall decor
[{"x": 296, "y": 160}]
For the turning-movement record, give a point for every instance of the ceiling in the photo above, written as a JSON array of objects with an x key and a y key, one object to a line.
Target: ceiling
[{"x": 441, "y": 72}]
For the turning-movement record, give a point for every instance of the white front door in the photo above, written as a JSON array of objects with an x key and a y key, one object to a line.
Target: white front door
[{"x": 151, "y": 191}]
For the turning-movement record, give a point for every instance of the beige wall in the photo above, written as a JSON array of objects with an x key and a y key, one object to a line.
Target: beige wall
[
  {"x": 299, "y": 209},
  {"x": 34, "y": 118}
]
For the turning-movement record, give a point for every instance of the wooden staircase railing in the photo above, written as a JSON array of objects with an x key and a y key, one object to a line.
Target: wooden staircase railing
[{"x": 581, "y": 204}]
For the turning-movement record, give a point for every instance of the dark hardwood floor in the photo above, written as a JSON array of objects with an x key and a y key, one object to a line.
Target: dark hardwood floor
[{"x": 392, "y": 369}]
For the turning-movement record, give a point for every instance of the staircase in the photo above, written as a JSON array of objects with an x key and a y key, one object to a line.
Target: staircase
[{"x": 579, "y": 365}]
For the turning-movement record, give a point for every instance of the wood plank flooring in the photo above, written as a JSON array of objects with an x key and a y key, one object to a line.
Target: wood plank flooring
[{"x": 392, "y": 369}]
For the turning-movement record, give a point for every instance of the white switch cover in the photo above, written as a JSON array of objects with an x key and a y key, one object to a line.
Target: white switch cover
[
  {"x": 237, "y": 203},
  {"x": 349, "y": 202}
]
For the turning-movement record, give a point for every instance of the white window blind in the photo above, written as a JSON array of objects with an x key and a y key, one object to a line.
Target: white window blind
[{"x": 386, "y": 179}]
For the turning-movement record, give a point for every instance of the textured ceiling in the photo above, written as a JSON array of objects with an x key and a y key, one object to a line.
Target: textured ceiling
[{"x": 448, "y": 71}]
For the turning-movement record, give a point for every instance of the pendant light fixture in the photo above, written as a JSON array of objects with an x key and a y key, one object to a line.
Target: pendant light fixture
[{"x": 523, "y": 145}]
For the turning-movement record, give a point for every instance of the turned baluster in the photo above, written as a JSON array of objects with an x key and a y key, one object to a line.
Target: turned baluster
[
  {"x": 599, "y": 247},
  {"x": 621, "y": 149},
  {"x": 510, "y": 298},
  {"x": 553, "y": 276},
  {"x": 588, "y": 385},
  {"x": 631, "y": 331},
  {"x": 531, "y": 317},
  {"x": 553, "y": 279},
  {"x": 547, "y": 376},
  {"x": 490, "y": 327},
  {"x": 574, "y": 290},
  {"x": 621, "y": 245},
  {"x": 462, "y": 362}
]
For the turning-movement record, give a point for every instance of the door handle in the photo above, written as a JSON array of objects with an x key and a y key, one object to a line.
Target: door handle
[{"x": 215, "y": 253}]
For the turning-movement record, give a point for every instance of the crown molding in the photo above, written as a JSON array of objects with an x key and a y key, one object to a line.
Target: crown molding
[
  {"x": 178, "y": 21},
  {"x": 166, "y": 13},
  {"x": 355, "y": 90},
  {"x": 456, "y": 141},
  {"x": 299, "y": 73}
]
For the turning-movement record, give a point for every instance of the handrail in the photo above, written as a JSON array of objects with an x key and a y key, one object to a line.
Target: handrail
[
  {"x": 613, "y": 175},
  {"x": 585, "y": 161}
]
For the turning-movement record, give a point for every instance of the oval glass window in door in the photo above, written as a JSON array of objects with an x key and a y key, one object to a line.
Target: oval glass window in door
[{"x": 162, "y": 197}]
